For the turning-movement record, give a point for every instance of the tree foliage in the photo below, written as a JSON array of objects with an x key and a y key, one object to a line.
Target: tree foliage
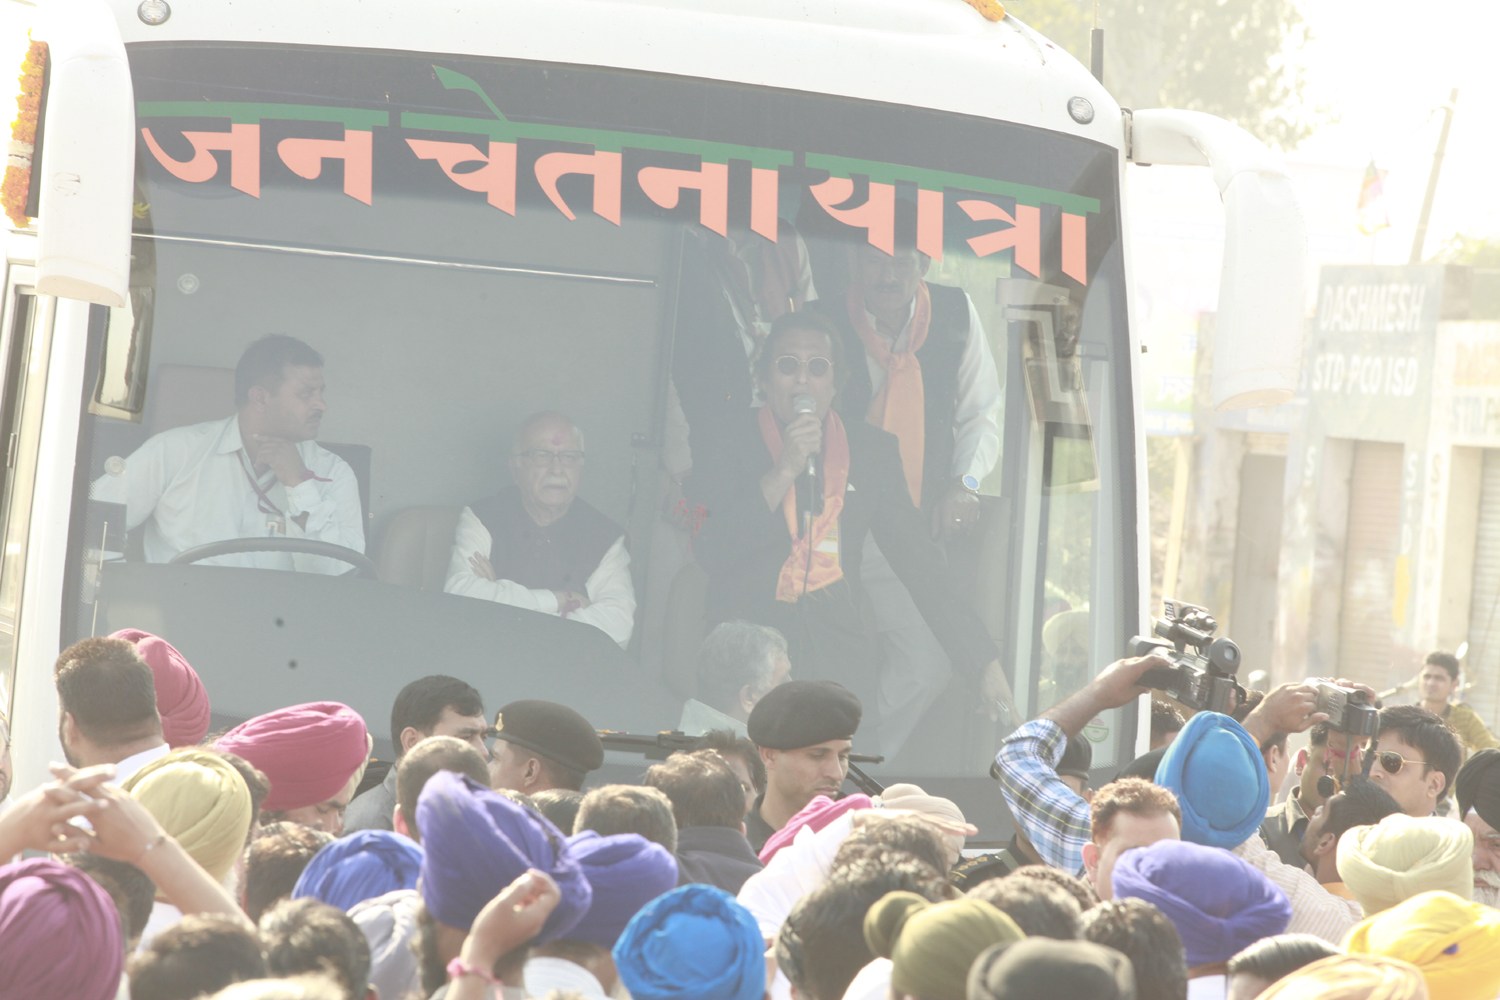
[
  {"x": 1234, "y": 58},
  {"x": 1479, "y": 251}
]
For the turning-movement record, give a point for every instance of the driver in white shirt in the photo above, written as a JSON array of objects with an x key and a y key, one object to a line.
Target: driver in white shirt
[{"x": 256, "y": 474}]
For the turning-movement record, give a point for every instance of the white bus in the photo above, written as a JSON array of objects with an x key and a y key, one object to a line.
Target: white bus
[{"x": 475, "y": 212}]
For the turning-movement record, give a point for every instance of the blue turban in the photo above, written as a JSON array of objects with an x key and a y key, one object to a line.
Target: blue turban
[
  {"x": 360, "y": 866},
  {"x": 477, "y": 842},
  {"x": 1218, "y": 903},
  {"x": 1219, "y": 777},
  {"x": 626, "y": 871},
  {"x": 694, "y": 943}
]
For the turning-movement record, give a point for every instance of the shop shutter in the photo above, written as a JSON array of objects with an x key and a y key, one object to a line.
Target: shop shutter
[
  {"x": 1365, "y": 625},
  {"x": 1482, "y": 664}
]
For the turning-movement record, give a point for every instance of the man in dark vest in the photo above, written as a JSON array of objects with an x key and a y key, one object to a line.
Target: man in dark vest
[
  {"x": 929, "y": 378},
  {"x": 537, "y": 546}
]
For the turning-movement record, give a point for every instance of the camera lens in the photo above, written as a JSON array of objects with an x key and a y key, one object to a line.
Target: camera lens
[{"x": 1224, "y": 655}]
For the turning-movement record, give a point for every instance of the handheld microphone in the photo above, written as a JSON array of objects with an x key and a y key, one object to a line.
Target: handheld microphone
[{"x": 803, "y": 403}]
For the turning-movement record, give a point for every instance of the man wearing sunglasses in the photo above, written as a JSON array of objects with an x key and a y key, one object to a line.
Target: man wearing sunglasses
[
  {"x": 1417, "y": 760},
  {"x": 536, "y": 545},
  {"x": 785, "y": 549}
]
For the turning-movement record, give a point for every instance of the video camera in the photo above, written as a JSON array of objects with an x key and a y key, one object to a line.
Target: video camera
[
  {"x": 1350, "y": 710},
  {"x": 660, "y": 746},
  {"x": 1203, "y": 680}
]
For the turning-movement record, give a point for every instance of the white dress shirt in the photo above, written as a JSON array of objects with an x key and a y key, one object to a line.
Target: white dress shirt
[
  {"x": 189, "y": 486},
  {"x": 127, "y": 767},
  {"x": 976, "y": 433},
  {"x": 609, "y": 588},
  {"x": 1208, "y": 988},
  {"x": 163, "y": 916},
  {"x": 1315, "y": 910},
  {"x": 541, "y": 976}
]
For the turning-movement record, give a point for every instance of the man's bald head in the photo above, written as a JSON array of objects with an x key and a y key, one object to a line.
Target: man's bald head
[
  {"x": 547, "y": 429},
  {"x": 546, "y": 461}
]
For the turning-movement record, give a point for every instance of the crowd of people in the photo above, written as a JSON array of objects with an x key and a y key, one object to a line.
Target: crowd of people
[{"x": 278, "y": 860}]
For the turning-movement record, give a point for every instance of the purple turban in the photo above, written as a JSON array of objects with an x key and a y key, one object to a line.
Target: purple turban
[
  {"x": 626, "y": 871},
  {"x": 1218, "y": 903},
  {"x": 360, "y": 866},
  {"x": 59, "y": 934},
  {"x": 477, "y": 842}
]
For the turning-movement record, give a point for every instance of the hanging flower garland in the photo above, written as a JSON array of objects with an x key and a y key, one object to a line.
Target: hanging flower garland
[{"x": 17, "y": 184}]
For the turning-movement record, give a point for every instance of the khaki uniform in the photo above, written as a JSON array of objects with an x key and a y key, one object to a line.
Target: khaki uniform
[{"x": 1464, "y": 721}]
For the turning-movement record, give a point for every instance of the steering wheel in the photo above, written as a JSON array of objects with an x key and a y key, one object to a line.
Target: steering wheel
[{"x": 364, "y": 568}]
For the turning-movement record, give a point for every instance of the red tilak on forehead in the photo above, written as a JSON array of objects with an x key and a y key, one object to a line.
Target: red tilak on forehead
[{"x": 558, "y": 438}]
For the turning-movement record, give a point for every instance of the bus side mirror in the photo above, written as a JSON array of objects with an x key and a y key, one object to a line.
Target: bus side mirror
[
  {"x": 87, "y": 160},
  {"x": 1262, "y": 302}
]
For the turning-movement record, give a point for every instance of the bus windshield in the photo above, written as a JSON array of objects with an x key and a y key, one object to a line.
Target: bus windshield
[{"x": 514, "y": 422}]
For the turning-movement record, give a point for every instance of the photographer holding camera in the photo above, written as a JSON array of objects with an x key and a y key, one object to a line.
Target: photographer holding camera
[{"x": 1058, "y": 822}]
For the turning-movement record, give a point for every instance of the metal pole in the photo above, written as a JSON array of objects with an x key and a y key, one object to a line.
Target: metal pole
[
  {"x": 1096, "y": 47},
  {"x": 1432, "y": 181}
]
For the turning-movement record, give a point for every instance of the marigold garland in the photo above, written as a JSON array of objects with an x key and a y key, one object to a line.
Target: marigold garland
[{"x": 17, "y": 184}]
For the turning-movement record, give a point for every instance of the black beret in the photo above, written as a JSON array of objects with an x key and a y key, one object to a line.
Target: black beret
[
  {"x": 1077, "y": 759},
  {"x": 552, "y": 730},
  {"x": 1042, "y": 968},
  {"x": 1477, "y": 787},
  {"x": 801, "y": 714}
]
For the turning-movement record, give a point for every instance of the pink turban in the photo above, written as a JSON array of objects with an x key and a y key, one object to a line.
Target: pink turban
[
  {"x": 815, "y": 815},
  {"x": 308, "y": 751},
  {"x": 180, "y": 697},
  {"x": 59, "y": 934}
]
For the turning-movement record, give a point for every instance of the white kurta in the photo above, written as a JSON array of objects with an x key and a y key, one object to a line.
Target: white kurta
[
  {"x": 189, "y": 486},
  {"x": 610, "y": 591}
]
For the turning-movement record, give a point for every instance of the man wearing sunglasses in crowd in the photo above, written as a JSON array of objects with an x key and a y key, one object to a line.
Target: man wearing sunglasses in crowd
[
  {"x": 536, "y": 545},
  {"x": 1417, "y": 759},
  {"x": 784, "y": 548}
]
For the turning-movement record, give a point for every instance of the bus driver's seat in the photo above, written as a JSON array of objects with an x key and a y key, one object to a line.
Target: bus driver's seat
[{"x": 192, "y": 394}]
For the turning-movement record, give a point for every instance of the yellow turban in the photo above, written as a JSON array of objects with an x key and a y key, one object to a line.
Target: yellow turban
[
  {"x": 1455, "y": 942},
  {"x": 1351, "y": 977},
  {"x": 201, "y": 801},
  {"x": 1402, "y": 856},
  {"x": 932, "y": 945}
]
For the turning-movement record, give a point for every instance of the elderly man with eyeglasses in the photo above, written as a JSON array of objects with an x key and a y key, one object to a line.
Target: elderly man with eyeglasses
[{"x": 536, "y": 545}]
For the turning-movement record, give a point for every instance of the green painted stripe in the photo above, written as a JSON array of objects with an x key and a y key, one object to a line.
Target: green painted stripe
[
  {"x": 243, "y": 113},
  {"x": 602, "y": 140},
  {"x": 937, "y": 180}
]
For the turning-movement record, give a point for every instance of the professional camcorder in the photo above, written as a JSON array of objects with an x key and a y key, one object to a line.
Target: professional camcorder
[
  {"x": 1203, "y": 680},
  {"x": 1350, "y": 710}
]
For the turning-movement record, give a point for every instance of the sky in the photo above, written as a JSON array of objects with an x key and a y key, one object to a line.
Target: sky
[{"x": 1382, "y": 67}]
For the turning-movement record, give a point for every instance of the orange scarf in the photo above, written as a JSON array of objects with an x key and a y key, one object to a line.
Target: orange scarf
[
  {"x": 798, "y": 576},
  {"x": 899, "y": 406}
]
